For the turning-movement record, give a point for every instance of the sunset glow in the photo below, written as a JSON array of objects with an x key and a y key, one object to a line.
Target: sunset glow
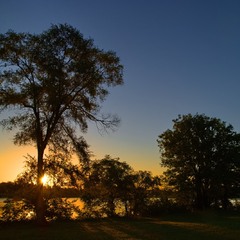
[{"x": 46, "y": 180}]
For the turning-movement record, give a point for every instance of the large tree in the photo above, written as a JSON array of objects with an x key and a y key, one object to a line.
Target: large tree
[
  {"x": 56, "y": 82},
  {"x": 202, "y": 157}
]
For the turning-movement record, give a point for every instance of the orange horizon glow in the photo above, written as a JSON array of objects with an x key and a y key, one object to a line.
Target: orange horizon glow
[
  {"x": 12, "y": 160},
  {"x": 12, "y": 157}
]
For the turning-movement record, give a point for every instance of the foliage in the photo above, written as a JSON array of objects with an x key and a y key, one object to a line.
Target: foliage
[
  {"x": 111, "y": 188},
  {"x": 105, "y": 186},
  {"x": 114, "y": 189},
  {"x": 58, "y": 209},
  {"x": 145, "y": 188},
  {"x": 61, "y": 209},
  {"x": 20, "y": 210},
  {"x": 56, "y": 81},
  {"x": 58, "y": 168},
  {"x": 201, "y": 155},
  {"x": 61, "y": 176}
]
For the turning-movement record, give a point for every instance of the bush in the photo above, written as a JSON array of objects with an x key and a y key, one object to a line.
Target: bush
[
  {"x": 18, "y": 211},
  {"x": 22, "y": 210},
  {"x": 61, "y": 209}
]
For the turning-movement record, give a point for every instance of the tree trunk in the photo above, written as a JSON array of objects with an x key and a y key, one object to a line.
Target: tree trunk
[
  {"x": 111, "y": 207},
  {"x": 40, "y": 202},
  {"x": 199, "y": 194},
  {"x": 40, "y": 206},
  {"x": 225, "y": 200}
]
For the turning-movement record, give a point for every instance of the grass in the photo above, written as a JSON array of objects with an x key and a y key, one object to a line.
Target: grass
[{"x": 207, "y": 226}]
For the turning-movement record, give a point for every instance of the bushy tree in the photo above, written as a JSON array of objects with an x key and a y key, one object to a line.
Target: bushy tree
[
  {"x": 56, "y": 81},
  {"x": 113, "y": 188},
  {"x": 146, "y": 190},
  {"x": 106, "y": 186},
  {"x": 202, "y": 157}
]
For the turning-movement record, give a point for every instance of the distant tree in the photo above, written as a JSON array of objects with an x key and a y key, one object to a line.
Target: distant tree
[
  {"x": 55, "y": 81},
  {"x": 106, "y": 185},
  {"x": 8, "y": 189},
  {"x": 202, "y": 157}
]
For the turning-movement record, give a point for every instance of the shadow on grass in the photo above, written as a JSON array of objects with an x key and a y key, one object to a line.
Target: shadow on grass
[{"x": 171, "y": 227}]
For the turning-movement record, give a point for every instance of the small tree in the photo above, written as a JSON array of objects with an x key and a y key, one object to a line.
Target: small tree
[
  {"x": 56, "y": 81},
  {"x": 106, "y": 186},
  {"x": 202, "y": 159},
  {"x": 113, "y": 188},
  {"x": 145, "y": 191}
]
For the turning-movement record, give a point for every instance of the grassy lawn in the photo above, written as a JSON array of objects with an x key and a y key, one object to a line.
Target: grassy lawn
[{"x": 172, "y": 227}]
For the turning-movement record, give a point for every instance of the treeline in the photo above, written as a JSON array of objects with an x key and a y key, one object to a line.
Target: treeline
[
  {"x": 8, "y": 189},
  {"x": 108, "y": 188}
]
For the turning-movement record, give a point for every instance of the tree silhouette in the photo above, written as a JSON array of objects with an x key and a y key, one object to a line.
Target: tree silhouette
[
  {"x": 56, "y": 81},
  {"x": 106, "y": 186},
  {"x": 114, "y": 188},
  {"x": 146, "y": 189},
  {"x": 202, "y": 159}
]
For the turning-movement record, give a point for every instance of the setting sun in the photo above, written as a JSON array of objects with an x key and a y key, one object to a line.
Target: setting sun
[{"x": 45, "y": 180}]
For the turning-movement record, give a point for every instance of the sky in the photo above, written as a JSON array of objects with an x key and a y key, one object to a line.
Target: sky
[{"x": 179, "y": 57}]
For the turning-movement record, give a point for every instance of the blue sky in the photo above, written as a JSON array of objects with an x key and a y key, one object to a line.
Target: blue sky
[{"x": 179, "y": 57}]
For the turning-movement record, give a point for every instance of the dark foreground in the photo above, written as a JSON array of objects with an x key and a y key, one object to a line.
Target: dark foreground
[{"x": 174, "y": 227}]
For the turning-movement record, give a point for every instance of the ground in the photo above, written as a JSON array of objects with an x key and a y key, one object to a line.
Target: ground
[{"x": 171, "y": 227}]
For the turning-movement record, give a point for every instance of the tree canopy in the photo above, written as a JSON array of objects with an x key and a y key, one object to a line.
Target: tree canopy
[
  {"x": 56, "y": 82},
  {"x": 202, "y": 157}
]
